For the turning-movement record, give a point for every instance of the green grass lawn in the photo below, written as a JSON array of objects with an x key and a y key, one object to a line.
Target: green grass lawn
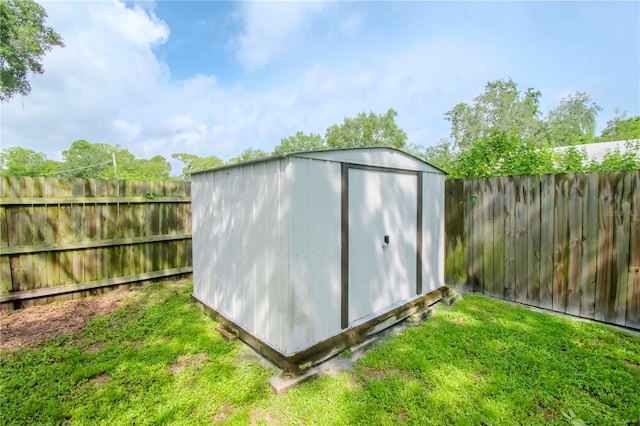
[{"x": 159, "y": 360}]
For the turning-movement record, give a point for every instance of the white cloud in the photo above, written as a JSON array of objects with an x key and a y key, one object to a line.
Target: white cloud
[
  {"x": 270, "y": 27},
  {"x": 128, "y": 130},
  {"x": 107, "y": 69},
  {"x": 108, "y": 85}
]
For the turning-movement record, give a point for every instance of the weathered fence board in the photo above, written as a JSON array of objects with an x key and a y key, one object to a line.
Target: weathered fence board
[
  {"x": 521, "y": 239},
  {"x": 633, "y": 286},
  {"x": 467, "y": 221},
  {"x": 574, "y": 276},
  {"x": 547, "y": 207},
  {"x": 486, "y": 215},
  {"x": 589, "y": 259},
  {"x": 533, "y": 240},
  {"x": 569, "y": 242},
  {"x": 57, "y": 235},
  {"x": 560, "y": 244},
  {"x": 498, "y": 239},
  {"x": 509, "y": 240}
]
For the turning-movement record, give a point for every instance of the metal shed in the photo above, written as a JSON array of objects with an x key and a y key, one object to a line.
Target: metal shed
[{"x": 305, "y": 254}]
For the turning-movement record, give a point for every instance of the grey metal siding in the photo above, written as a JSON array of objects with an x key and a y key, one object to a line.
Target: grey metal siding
[
  {"x": 432, "y": 232},
  {"x": 239, "y": 249},
  {"x": 314, "y": 251}
]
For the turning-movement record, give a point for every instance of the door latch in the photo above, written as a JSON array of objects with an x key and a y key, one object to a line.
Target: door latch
[{"x": 385, "y": 242}]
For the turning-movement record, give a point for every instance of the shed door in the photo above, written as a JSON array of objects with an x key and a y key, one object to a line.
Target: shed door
[{"x": 382, "y": 240}]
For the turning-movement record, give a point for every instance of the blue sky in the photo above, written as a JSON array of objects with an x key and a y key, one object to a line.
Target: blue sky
[{"x": 214, "y": 78}]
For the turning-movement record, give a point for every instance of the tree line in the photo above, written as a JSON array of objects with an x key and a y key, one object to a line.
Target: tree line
[{"x": 501, "y": 132}]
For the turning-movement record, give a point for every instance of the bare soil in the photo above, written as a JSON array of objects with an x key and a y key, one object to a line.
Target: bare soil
[
  {"x": 33, "y": 325},
  {"x": 184, "y": 361},
  {"x": 223, "y": 414},
  {"x": 100, "y": 380}
]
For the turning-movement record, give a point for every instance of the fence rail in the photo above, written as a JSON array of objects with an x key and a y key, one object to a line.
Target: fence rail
[
  {"x": 569, "y": 242},
  {"x": 59, "y": 237}
]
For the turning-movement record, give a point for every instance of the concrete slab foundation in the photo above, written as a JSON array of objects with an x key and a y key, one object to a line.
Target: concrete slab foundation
[
  {"x": 282, "y": 383},
  {"x": 360, "y": 349},
  {"x": 450, "y": 300},
  {"x": 418, "y": 317}
]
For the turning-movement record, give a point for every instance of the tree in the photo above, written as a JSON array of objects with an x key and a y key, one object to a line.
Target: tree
[
  {"x": 24, "y": 40},
  {"x": 300, "y": 142},
  {"x": 156, "y": 168},
  {"x": 18, "y": 161},
  {"x": 95, "y": 160},
  {"x": 193, "y": 162},
  {"x": 502, "y": 154},
  {"x": 570, "y": 159},
  {"x": 367, "y": 130},
  {"x": 440, "y": 155},
  {"x": 573, "y": 121},
  {"x": 502, "y": 108},
  {"x": 248, "y": 155},
  {"x": 621, "y": 128},
  {"x": 88, "y": 160}
]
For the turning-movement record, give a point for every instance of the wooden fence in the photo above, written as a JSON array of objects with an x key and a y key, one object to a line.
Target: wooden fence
[
  {"x": 62, "y": 238},
  {"x": 568, "y": 243}
]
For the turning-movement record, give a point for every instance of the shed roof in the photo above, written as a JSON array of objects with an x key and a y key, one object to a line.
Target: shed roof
[{"x": 343, "y": 155}]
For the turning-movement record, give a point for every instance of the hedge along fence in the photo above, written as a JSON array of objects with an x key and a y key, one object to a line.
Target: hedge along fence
[
  {"x": 62, "y": 238},
  {"x": 569, "y": 242}
]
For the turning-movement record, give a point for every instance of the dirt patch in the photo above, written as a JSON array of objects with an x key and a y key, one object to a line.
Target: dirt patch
[
  {"x": 402, "y": 416},
  {"x": 459, "y": 321},
  {"x": 479, "y": 376},
  {"x": 30, "y": 326},
  {"x": 133, "y": 344},
  {"x": 96, "y": 347},
  {"x": 223, "y": 414},
  {"x": 372, "y": 372},
  {"x": 262, "y": 416},
  {"x": 631, "y": 365},
  {"x": 99, "y": 380},
  {"x": 179, "y": 283},
  {"x": 196, "y": 361}
]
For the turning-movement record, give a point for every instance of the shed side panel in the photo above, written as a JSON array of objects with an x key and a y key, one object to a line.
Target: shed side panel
[
  {"x": 238, "y": 247},
  {"x": 202, "y": 190},
  {"x": 315, "y": 251},
  {"x": 251, "y": 243},
  {"x": 228, "y": 261},
  {"x": 432, "y": 232},
  {"x": 267, "y": 253},
  {"x": 261, "y": 210},
  {"x": 283, "y": 290}
]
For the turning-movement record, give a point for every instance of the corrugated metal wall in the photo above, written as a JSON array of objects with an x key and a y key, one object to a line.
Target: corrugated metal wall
[
  {"x": 315, "y": 250},
  {"x": 240, "y": 247},
  {"x": 267, "y": 246},
  {"x": 432, "y": 231}
]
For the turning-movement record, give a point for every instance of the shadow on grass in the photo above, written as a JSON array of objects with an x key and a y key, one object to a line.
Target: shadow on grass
[
  {"x": 486, "y": 362},
  {"x": 160, "y": 360}
]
